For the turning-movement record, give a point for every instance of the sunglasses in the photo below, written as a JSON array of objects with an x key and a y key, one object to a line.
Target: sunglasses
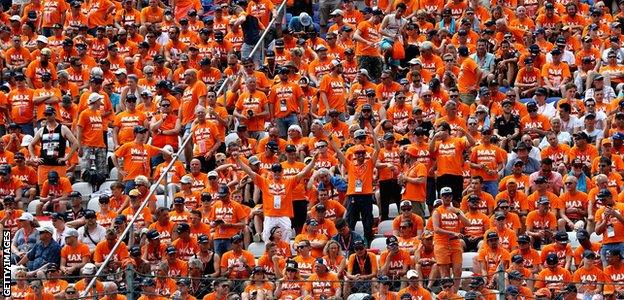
[
  {"x": 165, "y": 105},
  {"x": 406, "y": 209}
]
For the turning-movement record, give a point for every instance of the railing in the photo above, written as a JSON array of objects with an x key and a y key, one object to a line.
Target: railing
[
  {"x": 175, "y": 158},
  {"x": 266, "y": 30},
  {"x": 143, "y": 204}
]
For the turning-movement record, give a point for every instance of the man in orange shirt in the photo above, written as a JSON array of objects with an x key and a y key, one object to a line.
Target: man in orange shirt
[
  {"x": 470, "y": 74},
  {"x": 360, "y": 195},
  {"x": 136, "y": 157},
  {"x": 21, "y": 105},
  {"x": 447, "y": 224},
  {"x": 285, "y": 102},
  {"x": 447, "y": 150},
  {"x": 91, "y": 130},
  {"x": 610, "y": 223},
  {"x": 368, "y": 38},
  {"x": 277, "y": 195}
]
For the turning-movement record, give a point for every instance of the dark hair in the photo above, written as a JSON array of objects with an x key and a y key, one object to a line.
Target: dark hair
[
  {"x": 478, "y": 178},
  {"x": 401, "y": 5},
  {"x": 565, "y": 107},
  {"x": 341, "y": 222}
]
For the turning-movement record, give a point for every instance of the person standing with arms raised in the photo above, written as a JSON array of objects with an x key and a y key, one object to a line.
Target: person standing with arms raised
[
  {"x": 360, "y": 196},
  {"x": 277, "y": 193}
]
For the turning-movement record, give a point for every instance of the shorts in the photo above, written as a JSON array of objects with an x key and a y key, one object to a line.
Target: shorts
[
  {"x": 283, "y": 222},
  {"x": 448, "y": 253},
  {"x": 419, "y": 208},
  {"x": 43, "y": 170}
]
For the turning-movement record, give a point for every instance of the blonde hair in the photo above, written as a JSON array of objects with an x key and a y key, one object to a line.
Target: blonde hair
[{"x": 328, "y": 245}]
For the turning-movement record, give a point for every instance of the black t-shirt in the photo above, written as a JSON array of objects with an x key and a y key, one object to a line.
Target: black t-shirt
[
  {"x": 251, "y": 30},
  {"x": 506, "y": 127}
]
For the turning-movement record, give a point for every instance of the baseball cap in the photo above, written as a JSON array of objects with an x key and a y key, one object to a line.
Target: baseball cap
[
  {"x": 392, "y": 240},
  {"x": 412, "y": 274},
  {"x": 582, "y": 235},
  {"x": 446, "y": 190},
  {"x": 561, "y": 236},
  {"x": 552, "y": 259}
]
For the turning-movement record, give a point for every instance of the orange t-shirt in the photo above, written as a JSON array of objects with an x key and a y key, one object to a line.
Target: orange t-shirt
[
  {"x": 255, "y": 102},
  {"x": 535, "y": 221},
  {"x": 416, "y": 191},
  {"x": 92, "y": 128},
  {"x": 74, "y": 255},
  {"x": 205, "y": 136},
  {"x": 369, "y": 32},
  {"x": 285, "y": 98},
  {"x": 275, "y": 201},
  {"x": 448, "y": 221},
  {"x": 467, "y": 79},
  {"x": 493, "y": 258},
  {"x": 126, "y": 121},
  {"x": 335, "y": 89},
  {"x": 449, "y": 155},
  {"x": 230, "y": 212},
  {"x": 136, "y": 157},
  {"x": 230, "y": 259},
  {"x": 618, "y": 227},
  {"x": 360, "y": 177},
  {"x": 490, "y": 156},
  {"x": 20, "y": 102},
  {"x": 190, "y": 99},
  {"x": 322, "y": 286}
]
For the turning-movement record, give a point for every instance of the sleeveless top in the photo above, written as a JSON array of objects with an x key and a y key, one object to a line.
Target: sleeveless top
[{"x": 53, "y": 145}]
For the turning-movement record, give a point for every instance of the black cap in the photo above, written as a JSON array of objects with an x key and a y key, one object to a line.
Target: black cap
[
  {"x": 90, "y": 214},
  {"x": 148, "y": 282},
  {"x": 182, "y": 227},
  {"x": 140, "y": 129},
  {"x": 524, "y": 239},
  {"x": 500, "y": 216},
  {"x": 171, "y": 250},
  {"x": 517, "y": 258},
  {"x": 120, "y": 219},
  {"x": 552, "y": 259},
  {"x": 540, "y": 179},
  {"x": 515, "y": 274},
  {"x": 561, "y": 236},
  {"x": 512, "y": 290},
  {"x": 276, "y": 168},
  {"x": 272, "y": 145},
  {"x": 392, "y": 240},
  {"x": 603, "y": 193},
  {"x": 291, "y": 148},
  {"x": 53, "y": 176},
  {"x": 223, "y": 191},
  {"x": 291, "y": 265},
  {"x": 203, "y": 239},
  {"x": 236, "y": 238},
  {"x": 473, "y": 198},
  {"x": 74, "y": 194},
  {"x": 60, "y": 216},
  {"x": 49, "y": 110},
  {"x": 135, "y": 251},
  {"x": 582, "y": 235},
  {"x": 492, "y": 235},
  {"x": 589, "y": 254},
  {"x": 358, "y": 244},
  {"x": 152, "y": 234},
  {"x": 477, "y": 282},
  {"x": 178, "y": 200}
]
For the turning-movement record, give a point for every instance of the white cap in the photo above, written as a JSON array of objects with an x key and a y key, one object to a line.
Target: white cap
[
  {"x": 186, "y": 179},
  {"x": 97, "y": 72},
  {"x": 337, "y": 12},
  {"x": 15, "y": 18},
  {"x": 94, "y": 97},
  {"x": 26, "y": 217},
  {"x": 121, "y": 71},
  {"x": 42, "y": 39},
  {"x": 335, "y": 62},
  {"x": 146, "y": 92},
  {"x": 46, "y": 228},
  {"x": 412, "y": 274},
  {"x": 415, "y": 61},
  {"x": 168, "y": 148},
  {"x": 88, "y": 269},
  {"x": 446, "y": 190},
  {"x": 70, "y": 232},
  {"x": 213, "y": 174},
  {"x": 26, "y": 140},
  {"x": 295, "y": 127}
]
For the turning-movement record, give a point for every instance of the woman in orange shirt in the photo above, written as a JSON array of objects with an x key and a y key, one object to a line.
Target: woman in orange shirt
[
  {"x": 335, "y": 261},
  {"x": 257, "y": 285}
]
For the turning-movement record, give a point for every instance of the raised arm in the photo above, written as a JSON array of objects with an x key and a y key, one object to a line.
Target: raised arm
[
  {"x": 308, "y": 167},
  {"x": 244, "y": 166}
]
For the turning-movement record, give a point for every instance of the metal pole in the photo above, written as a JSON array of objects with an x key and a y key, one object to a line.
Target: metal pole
[
  {"x": 130, "y": 282},
  {"x": 136, "y": 214},
  {"x": 501, "y": 281},
  {"x": 266, "y": 30}
]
